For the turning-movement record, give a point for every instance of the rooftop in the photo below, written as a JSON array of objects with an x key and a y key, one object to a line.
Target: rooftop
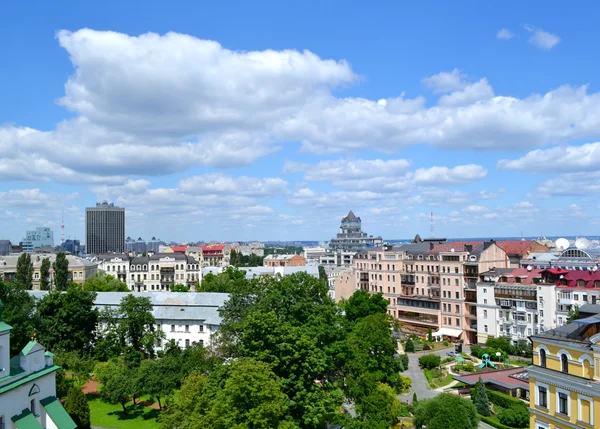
[{"x": 510, "y": 378}]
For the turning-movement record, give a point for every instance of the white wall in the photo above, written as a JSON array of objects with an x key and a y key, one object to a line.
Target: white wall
[
  {"x": 180, "y": 334},
  {"x": 486, "y": 303},
  {"x": 15, "y": 401}
]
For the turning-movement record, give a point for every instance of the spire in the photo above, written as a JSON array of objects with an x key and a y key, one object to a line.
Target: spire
[{"x": 350, "y": 217}]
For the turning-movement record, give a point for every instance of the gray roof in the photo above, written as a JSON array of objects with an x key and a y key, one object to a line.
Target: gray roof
[
  {"x": 350, "y": 217},
  {"x": 590, "y": 309},
  {"x": 74, "y": 261},
  {"x": 572, "y": 332},
  {"x": 168, "y": 305},
  {"x": 110, "y": 256}
]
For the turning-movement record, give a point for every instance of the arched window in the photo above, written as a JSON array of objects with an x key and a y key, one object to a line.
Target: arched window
[
  {"x": 564, "y": 363},
  {"x": 543, "y": 358}
]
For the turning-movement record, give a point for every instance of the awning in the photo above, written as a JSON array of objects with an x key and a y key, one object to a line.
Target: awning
[
  {"x": 448, "y": 332},
  {"x": 57, "y": 413},
  {"x": 26, "y": 420}
]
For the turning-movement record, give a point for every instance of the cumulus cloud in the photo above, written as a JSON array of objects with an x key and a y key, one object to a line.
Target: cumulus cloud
[
  {"x": 446, "y": 81},
  {"x": 563, "y": 159},
  {"x": 542, "y": 39},
  {"x": 219, "y": 183},
  {"x": 571, "y": 184},
  {"x": 449, "y": 176},
  {"x": 505, "y": 34},
  {"x": 344, "y": 169}
]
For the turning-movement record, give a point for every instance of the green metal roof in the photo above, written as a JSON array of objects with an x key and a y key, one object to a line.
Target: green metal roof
[
  {"x": 29, "y": 347},
  {"x": 26, "y": 420},
  {"x": 4, "y": 327},
  {"x": 57, "y": 413},
  {"x": 19, "y": 380}
]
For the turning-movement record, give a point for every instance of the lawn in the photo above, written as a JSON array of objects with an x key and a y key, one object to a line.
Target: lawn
[
  {"x": 519, "y": 362},
  {"x": 111, "y": 416},
  {"x": 437, "y": 378}
]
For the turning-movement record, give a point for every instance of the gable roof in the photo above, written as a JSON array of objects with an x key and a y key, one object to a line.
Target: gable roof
[
  {"x": 515, "y": 247},
  {"x": 181, "y": 249},
  {"x": 350, "y": 217},
  {"x": 31, "y": 347}
]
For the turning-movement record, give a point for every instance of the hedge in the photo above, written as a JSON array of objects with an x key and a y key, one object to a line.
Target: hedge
[
  {"x": 429, "y": 361},
  {"x": 493, "y": 422},
  {"x": 502, "y": 400}
]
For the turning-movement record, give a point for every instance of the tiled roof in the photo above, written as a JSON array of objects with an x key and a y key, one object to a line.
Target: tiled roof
[
  {"x": 275, "y": 257},
  {"x": 508, "y": 378},
  {"x": 214, "y": 247},
  {"x": 178, "y": 248},
  {"x": 514, "y": 247},
  {"x": 458, "y": 246}
]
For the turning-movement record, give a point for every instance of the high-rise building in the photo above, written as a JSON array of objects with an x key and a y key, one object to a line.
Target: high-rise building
[
  {"x": 105, "y": 229},
  {"x": 39, "y": 237},
  {"x": 5, "y": 247}
]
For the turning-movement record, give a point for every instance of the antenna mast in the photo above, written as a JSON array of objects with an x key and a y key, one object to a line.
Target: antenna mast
[
  {"x": 62, "y": 227},
  {"x": 431, "y": 225}
]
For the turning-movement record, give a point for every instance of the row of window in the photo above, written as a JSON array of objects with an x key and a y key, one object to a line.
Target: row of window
[
  {"x": 448, "y": 321},
  {"x": 158, "y": 267},
  {"x": 190, "y": 276},
  {"x": 457, "y": 308},
  {"x": 186, "y": 328}
]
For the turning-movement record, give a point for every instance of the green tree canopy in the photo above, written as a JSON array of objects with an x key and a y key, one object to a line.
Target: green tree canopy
[
  {"x": 573, "y": 313},
  {"x": 180, "y": 288},
  {"x": 67, "y": 321},
  {"x": 19, "y": 310},
  {"x": 61, "y": 271},
  {"x": 24, "y": 275},
  {"x": 137, "y": 325},
  {"x": 103, "y": 282},
  {"x": 118, "y": 383},
  {"x": 446, "y": 411},
  {"x": 77, "y": 407},
  {"x": 45, "y": 274},
  {"x": 480, "y": 399},
  {"x": 362, "y": 304},
  {"x": 322, "y": 273}
]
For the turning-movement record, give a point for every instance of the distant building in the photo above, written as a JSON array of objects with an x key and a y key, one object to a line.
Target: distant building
[
  {"x": 349, "y": 240},
  {"x": 161, "y": 271},
  {"x": 72, "y": 246},
  {"x": 5, "y": 247},
  {"x": 105, "y": 229},
  {"x": 248, "y": 249},
  {"x": 314, "y": 253},
  {"x": 39, "y": 237},
  {"x": 345, "y": 285},
  {"x": 28, "y": 387},
  {"x": 516, "y": 250},
  {"x": 284, "y": 261}
]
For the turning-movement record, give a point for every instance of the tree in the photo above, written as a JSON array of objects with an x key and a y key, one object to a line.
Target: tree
[
  {"x": 117, "y": 383},
  {"x": 180, "y": 288},
  {"x": 446, "y": 411},
  {"x": 414, "y": 399},
  {"x": 573, "y": 313},
  {"x": 24, "y": 275},
  {"x": 67, "y": 321},
  {"x": 77, "y": 407},
  {"x": 322, "y": 273},
  {"x": 45, "y": 274},
  {"x": 18, "y": 311},
  {"x": 429, "y": 361},
  {"x": 429, "y": 335},
  {"x": 516, "y": 417},
  {"x": 362, "y": 304},
  {"x": 61, "y": 272},
  {"x": 480, "y": 399},
  {"x": 137, "y": 324},
  {"x": 158, "y": 378},
  {"x": 409, "y": 347},
  {"x": 380, "y": 409},
  {"x": 103, "y": 282}
]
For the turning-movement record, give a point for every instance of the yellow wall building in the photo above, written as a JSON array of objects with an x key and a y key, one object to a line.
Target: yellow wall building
[{"x": 564, "y": 381}]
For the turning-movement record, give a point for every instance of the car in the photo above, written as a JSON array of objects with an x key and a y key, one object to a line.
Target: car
[{"x": 453, "y": 354}]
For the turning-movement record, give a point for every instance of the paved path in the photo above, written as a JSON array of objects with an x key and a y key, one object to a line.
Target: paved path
[{"x": 419, "y": 382}]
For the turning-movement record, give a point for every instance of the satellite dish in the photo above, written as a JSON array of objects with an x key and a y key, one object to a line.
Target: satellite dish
[
  {"x": 561, "y": 276},
  {"x": 452, "y": 250},
  {"x": 561, "y": 243},
  {"x": 529, "y": 267},
  {"x": 582, "y": 243},
  {"x": 595, "y": 268}
]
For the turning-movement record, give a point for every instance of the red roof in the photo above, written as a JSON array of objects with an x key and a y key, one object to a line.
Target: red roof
[
  {"x": 556, "y": 271},
  {"x": 502, "y": 377},
  {"x": 574, "y": 277},
  {"x": 514, "y": 247},
  {"x": 213, "y": 248},
  {"x": 179, "y": 249},
  {"x": 526, "y": 276},
  {"x": 458, "y": 246}
]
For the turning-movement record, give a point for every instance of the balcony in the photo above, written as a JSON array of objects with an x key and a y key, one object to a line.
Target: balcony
[
  {"x": 417, "y": 318},
  {"x": 566, "y": 301}
]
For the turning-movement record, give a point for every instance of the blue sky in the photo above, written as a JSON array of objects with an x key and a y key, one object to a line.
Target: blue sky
[{"x": 270, "y": 120}]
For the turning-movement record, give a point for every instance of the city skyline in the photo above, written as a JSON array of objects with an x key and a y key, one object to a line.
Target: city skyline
[{"x": 267, "y": 122}]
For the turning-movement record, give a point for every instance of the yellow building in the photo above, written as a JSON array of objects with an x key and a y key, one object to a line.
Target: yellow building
[{"x": 564, "y": 381}]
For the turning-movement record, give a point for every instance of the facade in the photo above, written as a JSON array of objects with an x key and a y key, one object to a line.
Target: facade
[
  {"x": 161, "y": 271},
  {"x": 211, "y": 255},
  {"x": 115, "y": 264},
  {"x": 516, "y": 250},
  {"x": 564, "y": 379},
  {"x": 104, "y": 229},
  {"x": 79, "y": 269},
  {"x": 5, "y": 247},
  {"x": 257, "y": 272},
  {"x": 284, "y": 261},
  {"x": 349, "y": 240},
  {"x": 39, "y": 237},
  {"x": 345, "y": 285},
  {"x": 248, "y": 249},
  {"x": 314, "y": 253},
  {"x": 72, "y": 246},
  {"x": 28, "y": 387}
]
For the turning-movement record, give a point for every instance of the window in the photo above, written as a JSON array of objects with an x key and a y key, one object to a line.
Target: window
[
  {"x": 485, "y": 315},
  {"x": 485, "y": 328},
  {"x": 457, "y": 308},
  {"x": 444, "y": 307},
  {"x": 187, "y": 343},
  {"x": 187, "y": 328},
  {"x": 564, "y": 363},
  {"x": 543, "y": 358},
  {"x": 172, "y": 328},
  {"x": 563, "y": 403},
  {"x": 2, "y": 423},
  {"x": 580, "y": 283},
  {"x": 201, "y": 342},
  {"x": 484, "y": 290},
  {"x": 576, "y": 297},
  {"x": 455, "y": 270},
  {"x": 542, "y": 397},
  {"x": 201, "y": 328},
  {"x": 33, "y": 409},
  {"x": 457, "y": 322},
  {"x": 456, "y": 284},
  {"x": 485, "y": 300},
  {"x": 457, "y": 295}
]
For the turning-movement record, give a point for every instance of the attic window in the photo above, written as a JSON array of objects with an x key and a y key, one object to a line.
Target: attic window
[{"x": 580, "y": 283}]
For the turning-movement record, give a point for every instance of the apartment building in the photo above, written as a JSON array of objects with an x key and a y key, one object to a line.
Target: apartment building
[
  {"x": 210, "y": 255},
  {"x": 516, "y": 250},
  {"x": 284, "y": 261},
  {"x": 564, "y": 379},
  {"x": 161, "y": 271},
  {"x": 115, "y": 264}
]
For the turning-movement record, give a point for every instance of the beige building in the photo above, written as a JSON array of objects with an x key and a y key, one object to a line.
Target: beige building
[
  {"x": 345, "y": 285},
  {"x": 79, "y": 269},
  {"x": 284, "y": 261}
]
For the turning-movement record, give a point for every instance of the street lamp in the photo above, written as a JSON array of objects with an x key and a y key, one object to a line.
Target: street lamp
[{"x": 498, "y": 354}]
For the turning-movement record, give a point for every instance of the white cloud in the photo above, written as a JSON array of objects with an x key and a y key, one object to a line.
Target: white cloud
[
  {"x": 471, "y": 93},
  {"x": 446, "y": 81},
  {"x": 345, "y": 169},
  {"x": 572, "y": 184},
  {"x": 218, "y": 183},
  {"x": 562, "y": 159},
  {"x": 440, "y": 176},
  {"x": 505, "y": 34},
  {"x": 542, "y": 39},
  {"x": 474, "y": 209},
  {"x": 524, "y": 205}
]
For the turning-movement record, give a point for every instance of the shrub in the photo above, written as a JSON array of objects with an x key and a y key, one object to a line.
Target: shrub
[
  {"x": 477, "y": 351},
  {"x": 517, "y": 417},
  {"x": 480, "y": 399},
  {"x": 502, "y": 400},
  {"x": 429, "y": 361},
  {"x": 429, "y": 335},
  {"x": 404, "y": 361},
  {"x": 467, "y": 367},
  {"x": 77, "y": 407},
  {"x": 426, "y": 347},
  {"x": 446, "y": 411},
  {"x": 447, "y": 343},
  {"x": 493, "y": 422},
  {"x": 501, "y": 344},
  {"x": 406, "y": 382},
  {"x": 409, "y": 347}
]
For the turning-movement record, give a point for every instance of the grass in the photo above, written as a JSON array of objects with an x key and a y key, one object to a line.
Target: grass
[
  {"x": 519, "y": 362},
  {"x": 111, "y": 416},
  {"x": 437, "y": 378}
]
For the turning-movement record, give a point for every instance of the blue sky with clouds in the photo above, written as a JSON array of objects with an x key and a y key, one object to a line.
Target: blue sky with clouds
[{"x": 270, "y": 120}]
